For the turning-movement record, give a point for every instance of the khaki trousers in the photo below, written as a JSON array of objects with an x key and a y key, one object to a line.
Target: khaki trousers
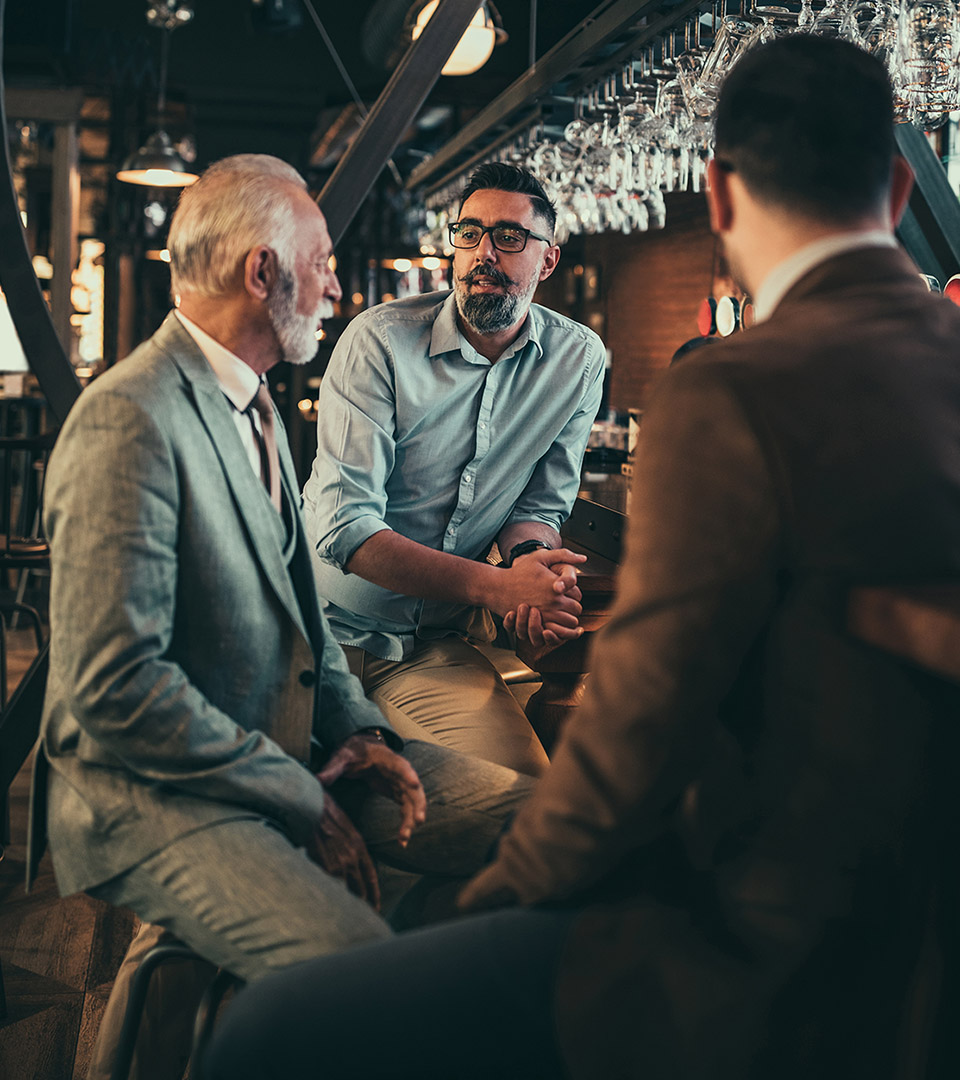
[{"x": 449, "y": 693}]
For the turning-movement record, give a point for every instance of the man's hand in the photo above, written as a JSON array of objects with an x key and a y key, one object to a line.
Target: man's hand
[
  {"x": 544, "y": 579},
  {"x": 361, "y": 757},
  {"x": 339, "y": 849},
  {"x": 536, "y": 637},
  {"x": 537, "y": 634}
]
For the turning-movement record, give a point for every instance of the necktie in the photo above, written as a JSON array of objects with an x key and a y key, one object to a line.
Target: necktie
[{"x": 267, "y": 438}]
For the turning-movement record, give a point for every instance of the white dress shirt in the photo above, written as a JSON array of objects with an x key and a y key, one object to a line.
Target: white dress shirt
[
  {"x": 786, "y": 274},
  {"x": 239, "y": 383}
]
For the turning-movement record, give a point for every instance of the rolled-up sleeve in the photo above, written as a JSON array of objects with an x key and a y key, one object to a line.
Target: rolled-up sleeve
[
  {"x": 345, "y": 497},
  {"x": 551, "y": 491}
]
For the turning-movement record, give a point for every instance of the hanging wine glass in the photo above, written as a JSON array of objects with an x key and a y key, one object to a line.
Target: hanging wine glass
[
  {"x": 928, "y": 43},
  {"x": 776, "y": 21},
  {"x": 737, "y": 34},
  {"x": 829, "y": 21}
]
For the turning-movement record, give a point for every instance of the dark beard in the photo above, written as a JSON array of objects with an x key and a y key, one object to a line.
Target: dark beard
[{"x": 488, "y": 313}]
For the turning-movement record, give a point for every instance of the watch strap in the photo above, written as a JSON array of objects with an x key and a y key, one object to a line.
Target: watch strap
[{"x": 524, "y": 548}]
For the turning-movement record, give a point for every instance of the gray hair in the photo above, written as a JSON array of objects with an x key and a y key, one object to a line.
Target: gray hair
[{"x": 237, "y": 203}]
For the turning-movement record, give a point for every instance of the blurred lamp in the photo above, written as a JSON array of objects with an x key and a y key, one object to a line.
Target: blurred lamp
[
  {"x": 475, "y": 47},
  {"x": 157, "y": 163}
]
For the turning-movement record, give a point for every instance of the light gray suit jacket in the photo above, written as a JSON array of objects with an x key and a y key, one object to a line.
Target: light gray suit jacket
[{"x": 190, "y": 665}]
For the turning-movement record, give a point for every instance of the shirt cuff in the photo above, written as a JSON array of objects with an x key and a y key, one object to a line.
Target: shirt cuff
[
  {"x": 554, "y": 520},
  {"x": 347, "y": 539}
]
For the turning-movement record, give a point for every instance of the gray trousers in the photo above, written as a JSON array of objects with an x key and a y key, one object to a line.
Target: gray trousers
[{"x": 246, "y": 899}]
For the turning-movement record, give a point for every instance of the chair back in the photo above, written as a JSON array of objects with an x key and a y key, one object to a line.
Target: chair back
[{"x": 22, "y": 470}]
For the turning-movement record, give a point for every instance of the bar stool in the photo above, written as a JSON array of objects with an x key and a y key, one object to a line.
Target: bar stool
[
  {"x": 23, "y": 548},
  {"x": 203, "y": 1022}
]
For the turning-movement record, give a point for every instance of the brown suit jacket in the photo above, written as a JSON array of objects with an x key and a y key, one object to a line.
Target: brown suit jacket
[{"x": 739, "y": 810}]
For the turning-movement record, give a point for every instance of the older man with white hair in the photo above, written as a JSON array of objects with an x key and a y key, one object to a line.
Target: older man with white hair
[{"x": 198, "y": 710}]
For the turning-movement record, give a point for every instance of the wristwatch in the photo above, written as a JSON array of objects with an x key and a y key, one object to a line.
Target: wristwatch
[
  {"x": 524, "y": 548},
  {"x": 374, "y": 733}
]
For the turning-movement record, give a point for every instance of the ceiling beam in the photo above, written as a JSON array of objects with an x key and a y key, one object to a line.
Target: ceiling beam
[
  {"x": 392, "y": 114},
  {"x": 46, "y": 105},
  {"x": 930, "y": 229}
]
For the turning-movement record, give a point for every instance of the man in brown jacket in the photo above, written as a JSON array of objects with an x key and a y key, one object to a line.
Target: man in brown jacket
[{"x": 720, "y": 876}]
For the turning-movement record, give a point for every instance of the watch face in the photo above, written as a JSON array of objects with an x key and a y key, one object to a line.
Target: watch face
[
  {"x": 952, "y": 289},
  {"x": 728, "y": 315},
  {"x": 748, "y": 315}
]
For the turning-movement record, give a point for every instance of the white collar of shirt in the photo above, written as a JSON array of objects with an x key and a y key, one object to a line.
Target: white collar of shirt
[
  {"x": 786, "y": 274},
  {"x": 238, "y": 381}
]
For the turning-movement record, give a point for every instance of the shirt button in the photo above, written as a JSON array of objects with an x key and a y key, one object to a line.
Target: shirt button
[
  {"x": 483, "y": 426},
  {"x": 308, "y": 678},
  {"x": 450, "y": 532},
  {"x": 467, "y": 478}
]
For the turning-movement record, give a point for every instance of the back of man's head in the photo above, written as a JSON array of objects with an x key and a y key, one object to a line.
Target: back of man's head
[
  {"x": 807, "y": 124},
  {"x": 498, "y": 176},
  {"x": 237, "y": 204}
]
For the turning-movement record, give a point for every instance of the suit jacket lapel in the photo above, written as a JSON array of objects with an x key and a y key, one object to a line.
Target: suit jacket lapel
[{"x": 251, "y": 498}]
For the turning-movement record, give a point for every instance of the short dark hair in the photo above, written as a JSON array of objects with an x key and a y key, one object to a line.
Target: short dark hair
[
  {"x": 807, "y": 123},
  {"x": 501, "y": 177}
]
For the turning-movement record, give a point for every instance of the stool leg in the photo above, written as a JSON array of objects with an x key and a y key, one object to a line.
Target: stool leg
[
  {"x": 222, "y": 983},
  {"x": 34, "y": 617},
  {"x": 138, "y": 997},
  {"x": 3, "y": 995}
]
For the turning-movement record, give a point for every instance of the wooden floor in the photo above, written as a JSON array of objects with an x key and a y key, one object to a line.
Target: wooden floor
[{"x": 59, "y": 956}]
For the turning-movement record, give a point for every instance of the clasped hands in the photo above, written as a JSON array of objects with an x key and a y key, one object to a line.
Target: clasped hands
[
  {"x": 544, "y": 601},
  {"x": 336, "y": 845}
]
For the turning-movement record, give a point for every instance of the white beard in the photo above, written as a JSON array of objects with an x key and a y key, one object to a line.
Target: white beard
[{"x": 297, "y": 334}]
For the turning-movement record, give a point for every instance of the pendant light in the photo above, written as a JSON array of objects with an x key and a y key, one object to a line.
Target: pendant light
[
  {"x": 157, "y": 163},
  {"x": 474, "y": 49}
]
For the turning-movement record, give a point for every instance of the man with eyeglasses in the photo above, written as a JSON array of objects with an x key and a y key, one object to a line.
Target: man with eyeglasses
[{"x": 448, "y": 422}]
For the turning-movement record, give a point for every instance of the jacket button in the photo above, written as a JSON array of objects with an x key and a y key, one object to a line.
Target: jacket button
[{"x": 308, "y": 678}]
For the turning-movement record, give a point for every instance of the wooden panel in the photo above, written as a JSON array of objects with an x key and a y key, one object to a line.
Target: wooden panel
[{"x": 40, "y": 1037}]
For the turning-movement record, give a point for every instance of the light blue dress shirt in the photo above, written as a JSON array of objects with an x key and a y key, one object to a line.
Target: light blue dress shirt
[{"x": 419, "y": 433}]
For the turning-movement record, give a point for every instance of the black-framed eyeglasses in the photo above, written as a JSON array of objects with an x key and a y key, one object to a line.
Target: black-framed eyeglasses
[{"x": 468, "y": 234}]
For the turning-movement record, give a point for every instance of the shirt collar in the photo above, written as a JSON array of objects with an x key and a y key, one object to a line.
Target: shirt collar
[
  {"x": 786, "y": 274},
  {"x": 238, "y": 381},
  {"x": 446, "y": 335}
]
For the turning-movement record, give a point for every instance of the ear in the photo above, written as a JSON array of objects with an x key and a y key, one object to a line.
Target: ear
[
  {"x": 260, "y": 271},
  {"x": 550, "y": 259},
  {"x": 719, "y": 202},
  {"x": 901, "y": 184}
]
